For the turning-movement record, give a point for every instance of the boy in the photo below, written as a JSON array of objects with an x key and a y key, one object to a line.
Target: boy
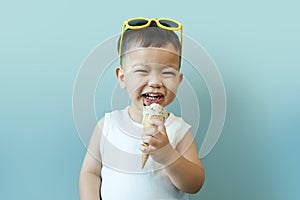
[{"x": 150, "y": 57}]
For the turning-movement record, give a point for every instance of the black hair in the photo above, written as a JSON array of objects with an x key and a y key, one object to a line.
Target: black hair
[{"x": 151, "y": 36}]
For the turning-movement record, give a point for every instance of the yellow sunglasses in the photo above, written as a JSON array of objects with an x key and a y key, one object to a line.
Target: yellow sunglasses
[{"x": 139, "y": 23}]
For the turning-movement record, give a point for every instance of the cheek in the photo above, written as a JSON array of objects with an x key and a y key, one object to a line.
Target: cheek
[
  {"x": 172, "y": 86},
  {"x": 133, "y": 87}
]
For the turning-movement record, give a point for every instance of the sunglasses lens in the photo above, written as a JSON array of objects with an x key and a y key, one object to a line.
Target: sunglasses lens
[
  {"x": 136, "y": 22},
  {"x": 168, "y": 23}
]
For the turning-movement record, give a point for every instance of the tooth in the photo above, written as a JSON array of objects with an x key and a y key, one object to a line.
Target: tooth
[{"x": 154, "y": 95}]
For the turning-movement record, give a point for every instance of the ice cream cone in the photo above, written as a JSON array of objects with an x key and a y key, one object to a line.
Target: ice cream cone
[{"x": 151, "y": 112}]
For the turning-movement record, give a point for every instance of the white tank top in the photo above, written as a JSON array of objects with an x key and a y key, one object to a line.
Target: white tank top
[{"x": 122, "y": 176}]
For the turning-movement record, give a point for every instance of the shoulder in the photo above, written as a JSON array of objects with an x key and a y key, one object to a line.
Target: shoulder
[
  {"x": 110, "y": 118},
  {"x": 173, "y": 117},
  {"x": 118, "y": 114},
  {"x": 97, "y": 133},
  {"x": 177, "y": 123},
  {"x": 176, "y": 129},
  {"x": 99, "y": 125}
]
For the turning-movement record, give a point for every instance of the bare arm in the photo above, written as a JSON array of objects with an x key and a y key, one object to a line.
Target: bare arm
[
  {"x": 186, "y": 172},
  {"x": 183, "y": 165},
  {"x": 90, "y": 174}
]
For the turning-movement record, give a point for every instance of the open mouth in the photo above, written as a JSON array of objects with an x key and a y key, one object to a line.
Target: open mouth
[{"x": 150, "y": 98}]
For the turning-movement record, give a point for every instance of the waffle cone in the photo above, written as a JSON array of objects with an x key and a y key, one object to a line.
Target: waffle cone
[
  {"x": 144, "y": 159},
  {"x": 145, "y": 122}
]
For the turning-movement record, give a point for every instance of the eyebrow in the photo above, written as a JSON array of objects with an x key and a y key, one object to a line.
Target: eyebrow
[
  {"x": 140, "y": 64},
  {"x": 163, "y": 66}
]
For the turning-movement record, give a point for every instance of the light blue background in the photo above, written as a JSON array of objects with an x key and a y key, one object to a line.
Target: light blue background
[{"x": 255, "y": 44}]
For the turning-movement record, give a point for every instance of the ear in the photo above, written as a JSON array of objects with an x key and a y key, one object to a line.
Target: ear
[
  {"x": 180, "y": 77},
  {"x": 120, "y": 74}
]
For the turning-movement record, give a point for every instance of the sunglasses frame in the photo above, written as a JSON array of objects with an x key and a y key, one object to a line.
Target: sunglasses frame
[{"x": 157, "y": 21}]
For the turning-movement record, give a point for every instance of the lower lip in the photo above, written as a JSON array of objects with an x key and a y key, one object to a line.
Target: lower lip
[{"x": 149, "y": 101}]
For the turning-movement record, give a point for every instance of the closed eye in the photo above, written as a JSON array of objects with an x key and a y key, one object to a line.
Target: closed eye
[
  {"x": 141, "y": 71},
  {"x": 169, "y": 73}
]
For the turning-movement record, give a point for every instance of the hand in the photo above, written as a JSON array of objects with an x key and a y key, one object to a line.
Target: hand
[{"x": 156, "y": 142}]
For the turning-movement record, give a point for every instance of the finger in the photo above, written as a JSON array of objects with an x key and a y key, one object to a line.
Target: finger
[
  {"x": 159, "y": 134},
  {"x": 150, "y": 130},
  {"x": 156, "y": 122},
  {"x": 148, "y": 149},
  {"x": 143, "y": 148},
  {"x": 150, "y": 140}
]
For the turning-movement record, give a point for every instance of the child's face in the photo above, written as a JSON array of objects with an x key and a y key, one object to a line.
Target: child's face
[{"x": 150, "y": 75}]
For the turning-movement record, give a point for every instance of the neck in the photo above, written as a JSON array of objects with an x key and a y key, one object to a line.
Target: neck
[{"x": 135, "y": 114}]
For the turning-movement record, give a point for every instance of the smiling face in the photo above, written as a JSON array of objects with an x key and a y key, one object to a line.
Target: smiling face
[{"x": 150, "y": 75}]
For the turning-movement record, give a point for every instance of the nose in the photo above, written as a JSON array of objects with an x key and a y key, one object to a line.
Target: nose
[{"x": 155, "y": 81}]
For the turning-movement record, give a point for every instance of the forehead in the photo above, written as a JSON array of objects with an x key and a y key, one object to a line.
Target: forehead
[{"x": 166, "y": 56}]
